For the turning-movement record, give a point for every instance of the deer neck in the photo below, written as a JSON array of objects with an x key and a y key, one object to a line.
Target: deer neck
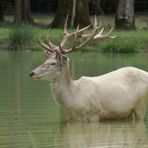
[
  {"x": 64, "y": 77},
  {"x": 62, "y": 86}
]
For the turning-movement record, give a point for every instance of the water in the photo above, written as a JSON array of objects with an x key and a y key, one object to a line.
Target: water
[{"x": 29, "y": 117}]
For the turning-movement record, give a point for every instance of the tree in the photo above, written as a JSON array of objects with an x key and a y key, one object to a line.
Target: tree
[
  {"x": 95, "y": 7},
  {"x": 22, "y": 12},
  {"x": 77, "y": 10},
  {"x": 125, "y": 15},
  {"x": 3, "y": 4}
]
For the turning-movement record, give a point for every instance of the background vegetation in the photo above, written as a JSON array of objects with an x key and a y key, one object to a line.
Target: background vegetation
[{"x": 23, "y": 22}]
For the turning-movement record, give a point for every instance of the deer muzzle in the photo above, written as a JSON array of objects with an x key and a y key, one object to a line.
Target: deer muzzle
[{"x": 31, "y": 74}]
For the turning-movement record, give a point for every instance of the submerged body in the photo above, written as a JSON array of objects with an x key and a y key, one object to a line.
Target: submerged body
[{"x": 116, "y": 95}]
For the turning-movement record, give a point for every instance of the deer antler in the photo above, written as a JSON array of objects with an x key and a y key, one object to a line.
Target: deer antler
[
  {"x": 79, "y": 33},
  {"x": 67, "y": 35},
  {"x": 89, "y": 37},
  {"x": 45, "y": 46}
]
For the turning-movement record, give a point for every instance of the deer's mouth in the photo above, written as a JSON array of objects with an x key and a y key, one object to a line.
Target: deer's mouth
[{"x": 36, "y": 77}]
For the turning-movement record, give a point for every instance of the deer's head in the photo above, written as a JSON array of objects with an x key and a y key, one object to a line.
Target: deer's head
[{"x": 56, "y": 55}]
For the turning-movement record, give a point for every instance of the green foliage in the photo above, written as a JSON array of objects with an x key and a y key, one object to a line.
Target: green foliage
[
  {"x": 20, "y": 36},
  {"x": 126, "y": 42},
  {"x": 119, "y": 46}
]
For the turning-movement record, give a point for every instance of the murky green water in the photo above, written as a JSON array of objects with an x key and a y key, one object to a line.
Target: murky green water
[{"x": 29, "y": 117}]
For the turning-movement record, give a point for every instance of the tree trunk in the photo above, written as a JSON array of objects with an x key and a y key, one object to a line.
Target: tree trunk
[
  {"x": 3, "y": 4},
  {"x": 66, "y": 7},
  {"x": 22, "y": 12},
  {"x": 96, "y": 7},
  {"x": 125, "y": 15}
]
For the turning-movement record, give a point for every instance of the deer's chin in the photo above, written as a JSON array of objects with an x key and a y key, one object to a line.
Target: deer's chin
[
  {"x": 44, "y": 77},
  {"x": 36, "y": 77}
]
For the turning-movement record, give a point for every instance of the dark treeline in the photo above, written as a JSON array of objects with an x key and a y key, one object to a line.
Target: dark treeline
[
  {"x": 77, "y": 10},
  {"x": 106, "y": 6},
  {"x": 50, "y": 6}
]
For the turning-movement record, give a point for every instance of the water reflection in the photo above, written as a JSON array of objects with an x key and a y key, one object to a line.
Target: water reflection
[
  {"x": 104, "y": 135},
  {"x": 29, "y": 117},
  {"x": 73, "y": 135}
]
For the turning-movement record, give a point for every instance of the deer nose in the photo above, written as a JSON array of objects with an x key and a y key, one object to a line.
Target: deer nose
[{"x": 31, "y": 74}]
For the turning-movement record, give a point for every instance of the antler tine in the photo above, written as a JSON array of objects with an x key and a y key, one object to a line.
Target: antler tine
[
  {"x": 65, "y": 25},
  {"x": 89, "y": 38},
  {"x": 95, "y": 26},
  {"x": 106, "y": 36},
  {"x": 75, "y": 34},
  {"x": 50, "y": 44},
  {"x": 110, "y": 33},
  {"x": 79, "y": 32},
  {"x": 101, "y": 31},
  {"x": 46, "y": 47},
  {"x": 86, "y": 35},
  {"x": 67, "y": 35},
  {"x": 75, "y": 37}
]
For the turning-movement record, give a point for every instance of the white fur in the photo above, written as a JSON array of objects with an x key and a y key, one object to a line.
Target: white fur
[
  {"x": 115, "y": 95},
  {"x": 119, "y": 94}
]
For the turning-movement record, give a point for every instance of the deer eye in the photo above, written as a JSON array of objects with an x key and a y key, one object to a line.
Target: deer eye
[{"x": 53, "y": 64}]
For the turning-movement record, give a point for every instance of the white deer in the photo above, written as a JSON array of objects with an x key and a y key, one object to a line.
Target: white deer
[{"x": 120, "y": 94}]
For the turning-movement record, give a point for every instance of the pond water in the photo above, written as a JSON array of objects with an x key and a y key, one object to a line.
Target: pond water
[{"x": 29, "y": 117}]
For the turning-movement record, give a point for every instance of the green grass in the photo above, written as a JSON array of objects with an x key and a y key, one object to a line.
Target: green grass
[
  {"x": 118, "y": 46},
  {"x": 125, "y": 42}
]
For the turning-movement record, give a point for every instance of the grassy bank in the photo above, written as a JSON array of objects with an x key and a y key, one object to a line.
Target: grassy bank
[{"x": 125, "y": 42}]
